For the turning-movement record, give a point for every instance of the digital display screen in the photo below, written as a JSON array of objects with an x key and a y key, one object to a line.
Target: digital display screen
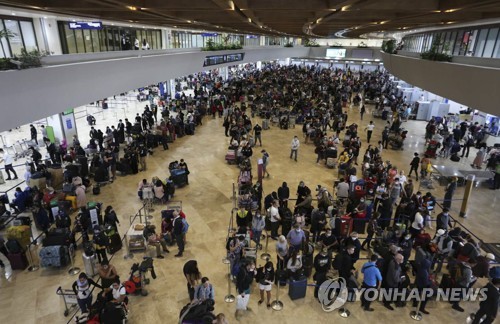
[{"x": 335, "y": 52}]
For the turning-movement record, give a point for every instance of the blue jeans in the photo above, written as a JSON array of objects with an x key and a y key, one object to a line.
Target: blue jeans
[
  {"x": 85, "y": 304},
  {"x": 256, "y": 236}
]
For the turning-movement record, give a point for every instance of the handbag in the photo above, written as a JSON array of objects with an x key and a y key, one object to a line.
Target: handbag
[{"x": 242, "y": 302}]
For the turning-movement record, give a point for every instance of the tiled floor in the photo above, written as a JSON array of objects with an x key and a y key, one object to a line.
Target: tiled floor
[{"x": 30, "y": 297}]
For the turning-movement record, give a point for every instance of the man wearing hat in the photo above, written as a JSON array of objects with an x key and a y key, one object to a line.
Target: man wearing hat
[
  {"x": 443, "y": 244},
  {"x": 482, "y": 268}
]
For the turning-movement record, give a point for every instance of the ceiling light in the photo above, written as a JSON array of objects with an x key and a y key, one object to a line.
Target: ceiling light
[
  {"x": 451, "y": 10},
  {"x": 44, "y": 17},
  {"x": 144, "y": 8},
  {"x": 249, "y": 20},
  {"x": 175, "y": 26},
  {"x": 73, "y": 19},
  {"x": 112, "y": 24},
  {"x": 132, "y": 8},
  {"x": 189, "y": 21},
  {"x": 450, "y": 22},
  {"x": 436, "y": 11},
  {"x": 231, "y": 4},
  {"x": 13, "y": 14},
  {"x": 344, "y": 8},
  {"x": 319, "y": 20}
]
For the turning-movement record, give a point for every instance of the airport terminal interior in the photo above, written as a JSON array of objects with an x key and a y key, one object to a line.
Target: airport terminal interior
[{"x": 93, "y": 65}]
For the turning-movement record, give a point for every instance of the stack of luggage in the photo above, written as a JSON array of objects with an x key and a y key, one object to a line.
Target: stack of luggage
[{"x": 55, "y": 250}]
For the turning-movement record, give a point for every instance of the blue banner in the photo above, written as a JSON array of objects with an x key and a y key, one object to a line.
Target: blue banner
[
  {"x": 85, "y": 25},
  {"x": 209, "y": 34}
]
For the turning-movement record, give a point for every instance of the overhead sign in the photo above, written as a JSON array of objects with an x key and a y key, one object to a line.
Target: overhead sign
[
  {"x": 85, "y": 25},
  {"x": 221, "y": 59},
  {"x": 209, "y": 34},
  {"x": 252, "y": 36}
]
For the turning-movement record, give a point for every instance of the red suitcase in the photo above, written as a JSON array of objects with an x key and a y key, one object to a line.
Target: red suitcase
[
  {"x": 422, "y": 239},
  {"x": 345, "y": 225},
  {"x": 18, "y": 261}
]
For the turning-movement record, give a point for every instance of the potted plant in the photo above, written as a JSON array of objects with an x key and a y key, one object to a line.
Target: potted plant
[
  {"x": 7, "y": 34},
  {"x": 389, "y": 46}
]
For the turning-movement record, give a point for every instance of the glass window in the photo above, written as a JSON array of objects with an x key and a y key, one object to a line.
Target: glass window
[
  {"x": 94, "y": 34},
  {"x": 102, "y": 40},
  {"x": 490, "y": 42},
  {"x": 496, "y": 51},
  {"x": 28, "y": 35},
  {"x": 4, "y": 44},
  {"x": 111, "y": 45},
  {"x": 480, "y": 43},
  {"x": 472, "y": 42},
  {"x": 87, "y": 40},
  {"x": 70, "y": 40},
  {"x": 16, "y": 42},
  {"x": 459, "y": 42},
  {"x": 80, "y": 43}
]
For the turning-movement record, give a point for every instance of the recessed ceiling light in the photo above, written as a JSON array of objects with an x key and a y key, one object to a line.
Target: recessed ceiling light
[
  {"x": 189, "y": 21},
  {"x": 132, "y": 8},
  {"x": 112, "y": 24},
  {"x": 451, "y": 10},
  {"x": 73, "y": 19},
  {"x": 13, "y": 14},
  {"x": 44, "y": 17}
]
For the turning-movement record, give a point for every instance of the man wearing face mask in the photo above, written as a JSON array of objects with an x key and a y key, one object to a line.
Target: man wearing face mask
[
  {"x": 352, "y": 240},
  {"x": 406, "y": 245},
  {"x": 296, "y": 238},
  {"x": 443, "y": 220},
  {"x": 322, "y": 263},
  {"x": 328, "y": 241},
  {"x": 243, "y": 281}
]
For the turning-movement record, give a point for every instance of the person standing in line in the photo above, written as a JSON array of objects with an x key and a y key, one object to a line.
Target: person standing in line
[
  {"x": 266, "y": 280},
  {"x": 81, "y": 288},
  {"x": 243, "y": 282},
  {"x": 204, "y": 291},
  {"x": 414, "y": 165},
  {"x": 468, "y": 142},
  {"x": 362, "y": 111},
  {"x": 33, "y": 134},
  {"x": 422, "y": 281},
  {"x": 265, "y": 162},
  {"x": 372, "y": 279},
  {"x": 385, "y": 137},
  {"x": 283, "y": 195},
  {"x": 392, "y": 278},
  {"x": 257, "y": 132},
  {"x": 192, "y": 275},
  {"x": 275, "y": 219},
  {"x": 489, "y": 306},
  {"x": 450, "y": 190},
  {"x": 178, "y": 232},
  {"x": 294, "y": 147},
  {"x": 8, "y": 160},
  {"x": 369, "y": 130}
]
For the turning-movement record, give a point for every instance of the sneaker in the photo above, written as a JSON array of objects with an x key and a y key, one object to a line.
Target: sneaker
[
  {"x": 160, "y": 257},
  {"x": 260, "y": 302},
  {"x": 423, "y": 311},
  {"x": 457, "y": 308},
  {"x": 178, "y": 255},
  {"x": 368, "y": 309},
  {"x": 15, "y": 178}
]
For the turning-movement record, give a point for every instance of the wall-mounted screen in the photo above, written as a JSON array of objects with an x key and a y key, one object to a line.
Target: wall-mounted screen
[
  {"x": 221, "y": 59},
  {"x": 335, "y": 52},
  {"x": 362, "y": 53}
]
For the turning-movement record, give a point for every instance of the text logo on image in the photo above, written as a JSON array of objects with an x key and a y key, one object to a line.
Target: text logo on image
[{"x": 332, "y": 294}]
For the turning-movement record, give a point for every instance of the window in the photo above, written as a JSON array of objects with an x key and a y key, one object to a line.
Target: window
[
  {"x": 87, "y": 41},
  {"x": 490, "y": 42},
  {"x": 5, "y": 43},
  {"x": 28, "y": 34},
  {"x": 458, "y": 43},
  {"x": 480, "y": 43},
  {"x": 496, "y": 51},
  {"x": 16, "y": 42},
  {"x": 94, "y": 34},
  {"x": 80, "y": 43}
]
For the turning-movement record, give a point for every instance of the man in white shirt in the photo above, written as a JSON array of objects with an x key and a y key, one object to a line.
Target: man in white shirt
[
  {"x": 274, "y": 217},
  {"x": 294, "y": 147},
  {"x": 8, "y": 160},
  {"x": 417, "y": 225},
  {"x": 369, "y": 130}
]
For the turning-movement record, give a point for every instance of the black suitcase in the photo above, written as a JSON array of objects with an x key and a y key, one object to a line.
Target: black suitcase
[
  {"x": 101, "y": 175},
  {"x": 96, "y": 189},
  {"x": 58, "y": 236},
  {"x": 359, "y": 225},
  {"x": 115, "y": 243},
  {"x": 22, "y": 220},
  {"x": 179, "y": 180},
  {"x": 297, "y": 288},
  {"x": 307, "y": 263}
]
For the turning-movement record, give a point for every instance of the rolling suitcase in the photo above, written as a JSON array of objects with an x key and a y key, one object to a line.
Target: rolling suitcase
[
  {"x": 18, "y": 261},
  {"x": 297, "y": 288},
  {"x": 90, "y": 264},
  {"x": 54, "y": 256},
  {"x": 115, "y": 243},
  {"x": 58, "y": 237},
  {"x": 231, "y": 156},
  {"x": 265, "y": 124},
  {"x": 345, "y": 225}
]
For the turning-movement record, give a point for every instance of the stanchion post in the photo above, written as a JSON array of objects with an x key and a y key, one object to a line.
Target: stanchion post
[
  {"x": 32, "y": 266},
  {"x": 266, "y": 255},
  {"x": 415, "y": 314},
  {"x": 73, "y": 270},
  {"x": 277, "y": 304},
  {"x": 229, "y": 298},
  {"x": 469, "y": 184}
]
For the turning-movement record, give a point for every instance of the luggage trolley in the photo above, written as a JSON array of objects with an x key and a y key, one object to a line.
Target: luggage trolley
[{"x": 69, "y": 297}]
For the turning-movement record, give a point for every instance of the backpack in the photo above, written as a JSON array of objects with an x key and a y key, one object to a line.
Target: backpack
[
  {"x": 102, "y": 239},
  {"x": 470, "y": 141},
  {"x": 63, "y": 221},
  {"x": 13, "y": 246}
]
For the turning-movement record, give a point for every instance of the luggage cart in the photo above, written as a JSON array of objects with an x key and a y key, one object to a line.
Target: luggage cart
[
  {"x": 69, "y": 297},
  {"x": 291, "y": 122},
  {"x": 19, "y": 152}
]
